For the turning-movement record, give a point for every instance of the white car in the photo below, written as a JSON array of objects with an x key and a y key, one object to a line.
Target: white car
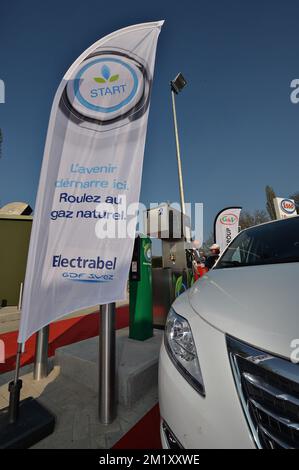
[{"x": 229, "y": 371}]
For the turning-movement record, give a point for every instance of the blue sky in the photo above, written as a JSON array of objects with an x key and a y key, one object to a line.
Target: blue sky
[{"x": 238, "y": 127}]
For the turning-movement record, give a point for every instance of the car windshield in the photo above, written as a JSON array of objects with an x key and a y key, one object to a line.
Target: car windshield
[{"x": 271, "y": 243}]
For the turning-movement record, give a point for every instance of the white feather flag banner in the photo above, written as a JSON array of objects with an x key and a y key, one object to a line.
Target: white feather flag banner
[{"x": 91, "y": 174}]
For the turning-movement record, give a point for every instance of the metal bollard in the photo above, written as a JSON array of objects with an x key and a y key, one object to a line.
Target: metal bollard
[
  {"x": 41, "y": 354},
  {"x": 107, "y": 361}
]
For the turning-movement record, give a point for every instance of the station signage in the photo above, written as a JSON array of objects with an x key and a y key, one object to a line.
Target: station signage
[
  {"x": 284, "y": 207},
  {"x": 226, "y": 226}
]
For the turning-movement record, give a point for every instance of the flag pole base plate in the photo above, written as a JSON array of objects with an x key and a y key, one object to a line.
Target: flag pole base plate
[{"x": 35, "y": 423}]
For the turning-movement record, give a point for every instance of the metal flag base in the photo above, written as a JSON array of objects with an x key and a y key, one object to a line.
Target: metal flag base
[
  {"x": 23, "y": 424},
  {"x": 34, "y": 423}
]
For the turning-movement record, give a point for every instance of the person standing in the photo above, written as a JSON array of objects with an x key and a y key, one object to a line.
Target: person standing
[{"x": 213, "y": 257}]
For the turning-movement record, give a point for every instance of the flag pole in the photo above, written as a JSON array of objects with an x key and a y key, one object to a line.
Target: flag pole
[{"x": 14, "y": 389}]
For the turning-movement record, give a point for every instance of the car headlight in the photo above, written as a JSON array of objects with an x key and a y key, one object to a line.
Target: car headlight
[{"x": 181, "y": 348}]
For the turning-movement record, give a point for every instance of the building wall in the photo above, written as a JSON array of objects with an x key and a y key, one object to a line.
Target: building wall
[{"x": 14, "y": 242}]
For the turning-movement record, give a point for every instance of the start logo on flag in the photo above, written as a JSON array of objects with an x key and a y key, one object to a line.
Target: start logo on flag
[{"x": 107, "y": 87}]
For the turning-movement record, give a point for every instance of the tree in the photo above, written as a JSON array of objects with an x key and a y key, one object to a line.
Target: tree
[
  {"x": 248, "y": 219},
  {"x": 295, "y": 196},
  {"x": 270, "y": 195}
]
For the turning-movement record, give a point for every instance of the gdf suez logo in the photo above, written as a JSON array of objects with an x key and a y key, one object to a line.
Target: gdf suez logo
[
  {"x": 108, "y": 87},
  {"x": 88, "y": 277}
]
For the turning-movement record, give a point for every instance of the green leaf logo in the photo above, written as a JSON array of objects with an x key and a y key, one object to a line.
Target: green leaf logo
[
  {"x": 99, "y": 80},
  {"x": 114, "y": 78},
  {"x": 106, "y": 76}
]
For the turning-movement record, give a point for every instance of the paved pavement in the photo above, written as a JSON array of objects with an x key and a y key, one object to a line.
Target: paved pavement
[
  {"x": 76, "y": 409},
  {"x": 75, "y": 405}
]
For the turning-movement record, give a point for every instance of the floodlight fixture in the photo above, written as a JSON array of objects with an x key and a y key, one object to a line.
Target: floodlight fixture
[{"x": 178, "y": 83}]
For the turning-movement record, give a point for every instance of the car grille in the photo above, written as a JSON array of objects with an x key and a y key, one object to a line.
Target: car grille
[{"x": 268, "y": 387}]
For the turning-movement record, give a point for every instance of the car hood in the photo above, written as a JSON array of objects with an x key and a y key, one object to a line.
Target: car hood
[{"x": 257, "y": 304}]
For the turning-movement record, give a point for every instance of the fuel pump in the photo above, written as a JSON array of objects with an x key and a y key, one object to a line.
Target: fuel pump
[
  {"x": 140, "y": 290},
  {"x": 175, "y": 275}
]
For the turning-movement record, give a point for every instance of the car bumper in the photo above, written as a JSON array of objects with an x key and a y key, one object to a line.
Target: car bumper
[{"x": 196, "y": 422}]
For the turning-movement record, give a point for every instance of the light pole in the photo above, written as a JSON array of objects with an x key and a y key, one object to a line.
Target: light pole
[{"x": 176, "y": 86}]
